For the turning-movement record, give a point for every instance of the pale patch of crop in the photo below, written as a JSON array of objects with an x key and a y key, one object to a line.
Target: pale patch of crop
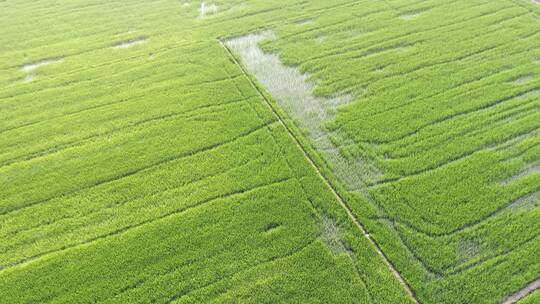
[
  {"x": 207, "y": 9},
  {"x": 30, "y": 68},
  {"x": 331, "y": 235},
  {"x": 526, "y": 202},
  {"x": 523, "y": 79},
  {"x": 468, "y": 249},
  {"x": 530, "y": 169},
  {"x": 320, "y": 39},
  {"x": 409, "y": 16},
  {"x": 129, "y": 43},
  {"x": 293, "y": 91},
  {"x": 535, "y": 93},
  {"x": 304, "y": 22}
]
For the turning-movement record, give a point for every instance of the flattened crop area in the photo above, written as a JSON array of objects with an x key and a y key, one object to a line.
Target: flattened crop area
[{"x": 269, "y": 151}]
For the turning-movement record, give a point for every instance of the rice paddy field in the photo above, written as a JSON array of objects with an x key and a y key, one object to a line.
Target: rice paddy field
[{"x": 267, "y": 151}]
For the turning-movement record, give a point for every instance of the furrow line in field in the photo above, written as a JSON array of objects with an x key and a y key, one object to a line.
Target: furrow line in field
[
  {"x": 529, "y": 35},
  {"x": 463, "y": 57},
  {"x": 153, "y": 278},
  {"x": 413, "y": 252},
  {"x": 167, "y": 272},
  {"x": 51, "y": 12},
  {"x": 119, "y": 101},
  {"x": 460, "y": 269},
  {"x": 442, "y": 62},
  {"x": 447, "y": 163},
  {"x": 435, "y": 95},
  {"x": 81, "y": 142},
  {"x": 496, "y": 120},
  {"x": 353, "y": 48},
  {"x": 457, "y": 88},
  {"x": 492, "y": 124},
  {"x": 32, "y": 123},
  {"x": 492, "y": 214},
  {"x": 531, "y": 167},
  {"x": 528, "y": 5},
  {"x": 463, "y": 267},
  {"x": 116, "y": 204},
  {"x": 480, "y": 108},
  {"x": 499, "y": 22},
  {"x": 144, "y": 223},
  {"x": 290, "y": 254},
  {"x": 99, "y": 33},
  {"x": 391, "y": 222},
  {"x": 71, "y": 85},
  {"x": 280, "y": 147},
  {"x": 359, "y": 274},
  {"x": 246, "y": 15},
  {"x": 137, "y": 170},
  {"x": 468, "y": 226},
  {"x": 66, "y": 84},
  {"x": 323, "y": 10},
  {"x": 437, "y": 63},
  {"x": 109, "y": 63},
  {"x": 116, "y": 102},
  {"x": 120, "y": 203},
  {"x": 103, "y": 46},
  {"x": 515, "y": 154},
  {"x": 327, "y": 27},
  {"x": 381, "y": 50}
]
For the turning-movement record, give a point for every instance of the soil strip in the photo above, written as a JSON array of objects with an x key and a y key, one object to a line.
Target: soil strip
[{"x": 522, "y": 293}]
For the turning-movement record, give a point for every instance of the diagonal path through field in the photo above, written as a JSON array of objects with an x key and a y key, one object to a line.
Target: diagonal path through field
[
  {"x": 527, "y": 290},
  {"x": 326, "y": 181}
]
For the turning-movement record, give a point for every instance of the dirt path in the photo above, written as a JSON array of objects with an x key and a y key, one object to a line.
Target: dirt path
[
  {"x": 324, "y": 178},
  {"x": 534, "y": 285}
]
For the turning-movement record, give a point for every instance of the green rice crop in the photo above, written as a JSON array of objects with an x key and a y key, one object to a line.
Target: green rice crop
[
  {"x": 156, "y": 172},
  {"x": 531, "y": 299}
]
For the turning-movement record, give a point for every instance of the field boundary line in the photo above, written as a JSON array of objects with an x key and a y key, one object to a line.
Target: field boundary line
[
  {"x": 523, "y": 293},
  {"x": 326, "y": 181}
]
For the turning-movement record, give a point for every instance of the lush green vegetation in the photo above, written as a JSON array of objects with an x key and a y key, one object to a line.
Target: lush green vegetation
[
  {"x": 447, "y": 108},
  {"x": 532, "y": 298},
  {"x": 155, "y": 172}
]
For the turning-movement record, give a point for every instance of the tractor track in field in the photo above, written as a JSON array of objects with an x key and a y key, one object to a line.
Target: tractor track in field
[{"x": 326, "y": 181}]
